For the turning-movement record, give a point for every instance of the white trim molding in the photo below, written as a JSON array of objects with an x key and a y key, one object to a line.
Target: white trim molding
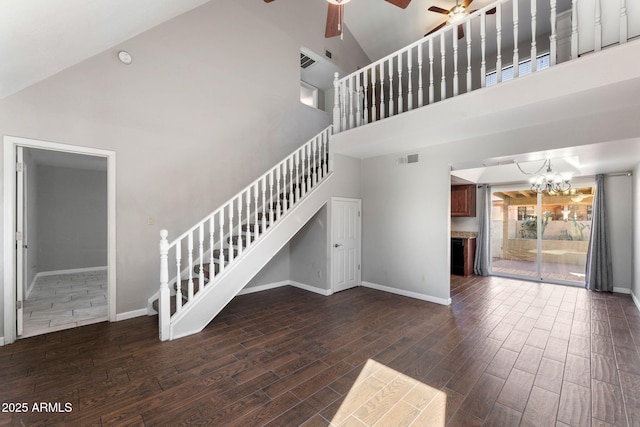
[
  {"x": 131, "y": 314},
  {"x": 409, "y": 294},
  {"x": 71, "y": 271},
  {"x": 626, "y": 291},
  {"x": 635, "y": 300},
  {"x": 268, "y": 286},
  {"x": 1, "y": 341}
]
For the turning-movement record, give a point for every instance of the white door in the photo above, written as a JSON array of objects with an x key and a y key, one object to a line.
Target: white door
[
  {"x": 20, "y": 239},
  {"x": 345, "y": 243}
]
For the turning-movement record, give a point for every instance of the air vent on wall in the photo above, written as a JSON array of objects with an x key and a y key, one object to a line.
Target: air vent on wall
[
  {"x": 410, "y": 158},
  {"x": 305, "y": 61}
]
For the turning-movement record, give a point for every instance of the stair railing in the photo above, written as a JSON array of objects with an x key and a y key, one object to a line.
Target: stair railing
[
  {"x": 456, "y": 59},
  {"x": 220, "y": 239}
]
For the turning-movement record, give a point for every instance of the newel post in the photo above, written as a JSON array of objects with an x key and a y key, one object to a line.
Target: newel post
[
  {"x": 336, "y": 104},
  {"x": 164, "y": 302}
]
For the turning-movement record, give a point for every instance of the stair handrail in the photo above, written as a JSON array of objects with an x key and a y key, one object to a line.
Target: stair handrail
[{"x": 297, "y": 174}]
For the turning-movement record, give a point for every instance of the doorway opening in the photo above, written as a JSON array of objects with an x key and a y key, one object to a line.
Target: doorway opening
[
  {"x": 59, "y": 237},
  {"x": 541, "y": 236}
]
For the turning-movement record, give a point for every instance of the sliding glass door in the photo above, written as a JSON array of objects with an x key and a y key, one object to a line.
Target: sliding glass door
[{"x": 541, "y": 236}]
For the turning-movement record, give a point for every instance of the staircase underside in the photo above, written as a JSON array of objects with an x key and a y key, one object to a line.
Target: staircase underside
[{"x": 214, "y": 297}]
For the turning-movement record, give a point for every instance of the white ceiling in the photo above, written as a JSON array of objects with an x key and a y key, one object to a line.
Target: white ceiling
[{"x": 39, "y": 38}]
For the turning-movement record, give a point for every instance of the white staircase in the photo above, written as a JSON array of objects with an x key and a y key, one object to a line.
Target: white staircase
[{"x": 205, "y": 267}]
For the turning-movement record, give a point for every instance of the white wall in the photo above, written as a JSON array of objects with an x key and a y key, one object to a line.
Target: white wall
[
  {"x": 210, "y": 101},
  {"x": 619, "y": 204},
  {"x": 71, "y": 218}
]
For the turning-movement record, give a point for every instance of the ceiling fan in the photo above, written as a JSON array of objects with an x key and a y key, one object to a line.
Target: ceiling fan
[
  {"x": 335, "y": 14},
  {"x": 456, "y": 14}
]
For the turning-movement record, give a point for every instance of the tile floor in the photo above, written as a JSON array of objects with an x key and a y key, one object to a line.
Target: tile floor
[{"x": 65, "y": 301}]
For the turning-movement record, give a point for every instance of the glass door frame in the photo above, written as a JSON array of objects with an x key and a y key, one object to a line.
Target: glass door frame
[{"x": 540, "y": 226}]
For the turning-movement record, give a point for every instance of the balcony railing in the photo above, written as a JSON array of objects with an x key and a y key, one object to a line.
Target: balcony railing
[{"x": 456, "y": 59}]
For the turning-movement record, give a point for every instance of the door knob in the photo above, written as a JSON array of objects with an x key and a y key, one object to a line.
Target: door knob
[{"x": 337, "y": 245}]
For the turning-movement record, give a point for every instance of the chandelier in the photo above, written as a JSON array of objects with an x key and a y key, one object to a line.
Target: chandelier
[{"x": 551, "y": 182}]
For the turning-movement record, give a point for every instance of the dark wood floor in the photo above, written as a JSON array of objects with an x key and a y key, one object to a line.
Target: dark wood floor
[{"x": 505, "y": 353}]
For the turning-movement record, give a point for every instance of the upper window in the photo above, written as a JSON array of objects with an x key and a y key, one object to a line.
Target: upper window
[{"x": 524, "y": 68}]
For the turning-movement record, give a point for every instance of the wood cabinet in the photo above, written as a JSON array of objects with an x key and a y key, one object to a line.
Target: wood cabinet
[
  {"x": 463, "y": 252},
  {"x": 463, "y": 200}
]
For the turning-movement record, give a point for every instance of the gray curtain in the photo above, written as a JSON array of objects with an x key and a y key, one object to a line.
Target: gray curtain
[
  {"x": 481, "y": 261},
  {"x": 598, "y": 271}
]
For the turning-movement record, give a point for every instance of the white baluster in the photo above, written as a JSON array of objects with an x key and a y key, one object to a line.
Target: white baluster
[
  {"x": 420, "y": 84},
  {"x": 264, "y": 204},
  {"x": 178, "y": 295},
  {"x": 314, "y": 161},
  {"x": 271, "y": 202},
  {"x": 201, "y": 255},
  {"x": 598, "y": 27},
  {"x": 322, "y": 155},
  {"x": 248, "y": 215},
  {"x": 454, "y": 34},
  {"x": 240, "y": 225},
  {"x": 305, "y": 170},
  {"x": 231, "y": 250},
  {"x": 382, "y": 103},
  {"x": 443, "y": 78},
  {"x": 278, "y": 203},
  {"x": 164, "y": 298},
  {"x": 221, "y": 260},
  {"x": 574, "y": 29},
  {"x": 374, "y": 112},
  {"x": 351, "y": 104},
  {"x": 400, "y": 105},
  {"x": 329, "y": 166},
  {"x": 358, "y": 101},
  {"x": 298, "y": 180},
  {"x": 410, "y": 80},
  {"x": 212, "y": 227},
  {"x": 483, "y": 48},
  {"x": 534, "y": 47},
  {"x": 431, "y": 79},
  {"x": 468, "y": 36},
  {"x": 499, "y": 42},
  {"x": 391, "y": 96},
  {"x": 336, "y": 103},
  {"x": 553, "y": 38},
  {"x": 516, "y": 53},
  {"x": 365, "y": 84},
  {"x": 292, "y": 195},
  {"x": 344, "y": 101},
  {"x": 256, "y": 223},
  {"x": 190, "y": 261},
  {"x": 624, "y": 31}
]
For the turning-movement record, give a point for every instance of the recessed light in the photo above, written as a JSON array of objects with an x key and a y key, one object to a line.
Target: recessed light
[{"x": 124, "y": 57}]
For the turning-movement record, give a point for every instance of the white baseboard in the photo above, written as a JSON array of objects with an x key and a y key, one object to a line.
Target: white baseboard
[
  {"x": 622, "y": 290},
  {"x": 635, "y": 300},
  {"x": 71, "y": 271},
  {"x": 325, "y": 292},
  {"x": 131, "y": 314},
  {"x": 261, "y": 288},
  {"x": 409, "y": 294},
  {"x": 30, "y": 288},
  {"x": 1, "y": 341}
]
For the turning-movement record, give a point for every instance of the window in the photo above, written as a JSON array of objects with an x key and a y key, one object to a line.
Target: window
[
  {"x": 524, "y": 68},
  {"x": 308, "y": 94}
]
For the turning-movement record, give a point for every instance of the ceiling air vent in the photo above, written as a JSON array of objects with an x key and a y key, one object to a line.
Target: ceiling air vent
[{"x": 305, "y": 61}]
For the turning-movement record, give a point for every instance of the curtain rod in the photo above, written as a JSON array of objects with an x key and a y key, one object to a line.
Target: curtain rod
[{"x": 628, "y": 173}]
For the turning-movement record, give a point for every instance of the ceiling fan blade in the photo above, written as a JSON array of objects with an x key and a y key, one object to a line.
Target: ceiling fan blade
[
  {"x": 334, "y": 20},
  {"x": 268, "y": 1},
  {"x": 400, "y": 3},
  {"x": 460, "y": 32},
  {"x": 438, "y": 10},
  {"x": 466, "y": 3},
  {"x": 491, "y": 11},
  {"x": 436, "y": 28}
]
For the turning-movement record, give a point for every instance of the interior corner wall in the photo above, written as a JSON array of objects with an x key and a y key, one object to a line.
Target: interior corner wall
[
  {"x": 209, "y": 103},
  {"x": 275, "y": 272},
  {"x": 635, "y": 249},
  {"x": 619, "y": 205},
  {"x": 71, "y": 219}
]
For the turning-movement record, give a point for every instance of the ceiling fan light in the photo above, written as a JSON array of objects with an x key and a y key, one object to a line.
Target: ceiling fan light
[{"x": 338, "y": 2}]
